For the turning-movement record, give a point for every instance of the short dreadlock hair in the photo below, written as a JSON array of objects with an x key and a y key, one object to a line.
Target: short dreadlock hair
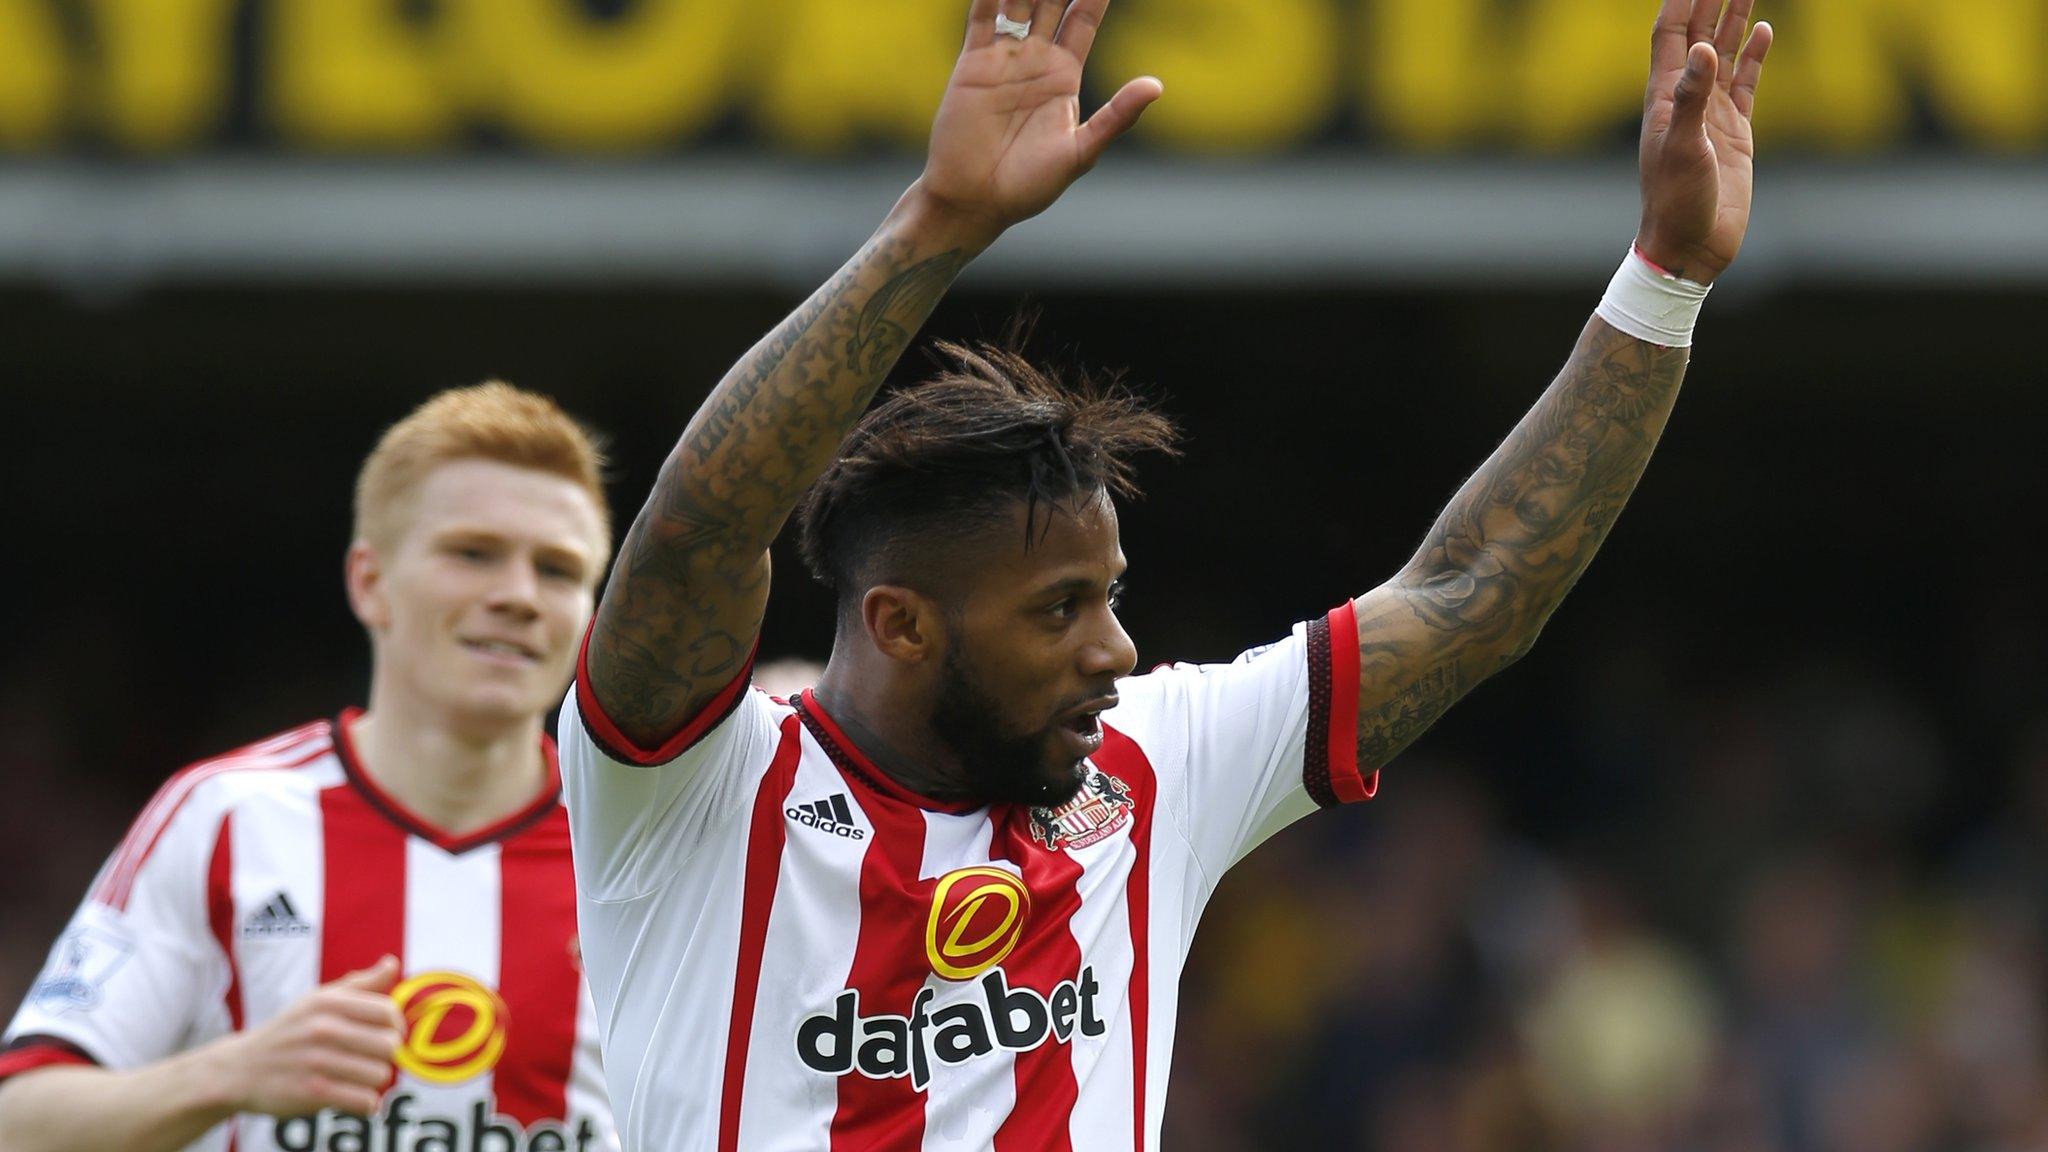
[{"x": 958, "y": 453}]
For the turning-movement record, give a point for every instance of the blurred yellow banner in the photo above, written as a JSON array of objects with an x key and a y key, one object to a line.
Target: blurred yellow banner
[{"x": 834, "y": 77}]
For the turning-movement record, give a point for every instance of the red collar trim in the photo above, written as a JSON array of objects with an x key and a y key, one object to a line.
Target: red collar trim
[
  {"x": 414, "y": 824},
  {"x": 850, "y": 760}
]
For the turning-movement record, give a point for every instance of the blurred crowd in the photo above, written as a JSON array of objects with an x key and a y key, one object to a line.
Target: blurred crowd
[
  {"x": 1766, "y": 950},
  {"x": 1740, "y": 923}
]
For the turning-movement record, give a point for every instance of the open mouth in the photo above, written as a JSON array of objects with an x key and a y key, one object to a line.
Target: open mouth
[{"x": 1084, "y": 727}]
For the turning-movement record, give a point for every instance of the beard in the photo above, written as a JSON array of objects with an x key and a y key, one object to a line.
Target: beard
[{"x": 1008, "y": 767}]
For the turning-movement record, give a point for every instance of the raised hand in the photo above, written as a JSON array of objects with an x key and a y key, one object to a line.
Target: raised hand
[
  {"x": 1009, "y": 137},
  {"x": 1698, "y": 151}
]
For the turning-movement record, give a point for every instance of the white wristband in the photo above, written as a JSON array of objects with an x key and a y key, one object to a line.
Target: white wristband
[{"x": 1648, "y": 304}]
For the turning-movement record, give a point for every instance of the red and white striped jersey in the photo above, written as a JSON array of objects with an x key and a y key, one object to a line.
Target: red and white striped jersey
[
  {"x": 790, "y": 951},
  {"x": 255, "y": 877}
]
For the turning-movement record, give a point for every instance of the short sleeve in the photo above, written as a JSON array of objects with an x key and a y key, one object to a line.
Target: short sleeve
[
  {"x": 125, "y": 982},
  {"x": 637, "y": 814},
  {"x": 1243, "y": 749}
]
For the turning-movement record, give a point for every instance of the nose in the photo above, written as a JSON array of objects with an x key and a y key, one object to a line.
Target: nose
[
  {"x": 517, "y": 592},
  {"x": 1112, "y": 653}
]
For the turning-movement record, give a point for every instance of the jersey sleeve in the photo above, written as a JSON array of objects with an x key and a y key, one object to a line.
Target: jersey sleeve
[
  {"x": 1246, "y": 748},
  {"x": 125, "y": 982},
  {"x": 636, "y": 814}
]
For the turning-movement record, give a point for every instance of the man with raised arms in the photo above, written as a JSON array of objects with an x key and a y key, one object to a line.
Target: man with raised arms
[{"x": 942, "y": 901}]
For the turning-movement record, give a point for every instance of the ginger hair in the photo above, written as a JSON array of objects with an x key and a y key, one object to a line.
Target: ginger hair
[{"x": 488, "y": 421}]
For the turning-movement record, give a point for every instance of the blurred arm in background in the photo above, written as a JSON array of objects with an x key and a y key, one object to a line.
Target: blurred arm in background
[
  {"x": 330, "y": 1049},
  {"x": 1519, "y": 533},
  {"x": 683, "y": 609}
]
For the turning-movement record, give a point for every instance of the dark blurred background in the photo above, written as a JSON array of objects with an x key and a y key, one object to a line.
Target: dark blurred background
[{"x": 1750, "y": 855}]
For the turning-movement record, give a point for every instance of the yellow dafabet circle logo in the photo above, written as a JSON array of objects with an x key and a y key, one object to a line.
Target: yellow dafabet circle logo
[
  {"x": 454, "y": 1027},
  {"x": 977, "y": 917}
]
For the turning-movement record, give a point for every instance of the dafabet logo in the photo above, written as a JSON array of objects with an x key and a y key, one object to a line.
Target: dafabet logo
[
  {"x": 454, "y": 1027},
  {"x": 977, "y": 917}
]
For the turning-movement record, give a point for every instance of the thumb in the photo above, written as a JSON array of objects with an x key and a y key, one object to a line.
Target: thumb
[
  {"x": 378, "y": 977},
  {"x": 1689, "y": 101},
  {"x": 1116, "y": 117}
]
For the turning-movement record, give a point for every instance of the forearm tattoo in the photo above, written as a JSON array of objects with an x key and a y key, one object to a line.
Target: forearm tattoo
[
  {"x": 686, "y": 597},
  {"x": 1513, "y": 540}
]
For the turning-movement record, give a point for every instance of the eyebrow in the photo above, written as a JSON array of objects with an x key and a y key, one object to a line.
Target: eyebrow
[
  {"x": 1073, "y": 585},
  {"x": 563, "y": 555},
  {"x": 548, "y": 550}
]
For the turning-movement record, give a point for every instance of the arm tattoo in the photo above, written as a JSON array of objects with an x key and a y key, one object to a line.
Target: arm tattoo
[
  {"x": 1513, "y": 540},
  {"x": 685, "y": 600},
  {"x": 879, "y": 337},
  {"x": 1395, "y": 724}
]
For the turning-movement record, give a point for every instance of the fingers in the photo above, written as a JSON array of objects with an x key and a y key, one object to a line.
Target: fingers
[
  {"x": 1749, "y": 69},
  {"x": 1701, "y": 24},
  {"x": 325, "y": 1092},
  {"x": 1728, "y": 35},
  {"x": 981, "y": 22},
  {"x": 334, "y": 1049},
  {"x": 1116, "y": 117},
  {"x": 378, "y": 977},
  {"x": 1045, "y": 18},
  {"x": 378, "y": 1044},
  {"x": 1077, "y": 31},
  {"x": 367, "y": 1009},
  {"x": 347, "y": 1021},
  {"x": 1690, "y": 100},
  {"x": 1667, "y": 41},
  {"x": 1019, "y": 11},
  {"x": 348, "y": 1068}
]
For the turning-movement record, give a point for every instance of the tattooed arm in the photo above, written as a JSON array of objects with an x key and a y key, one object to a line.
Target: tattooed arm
[
  {"x": 1513, "y": 540},
  {"x": 1519, "y": 533},
  {"x": 685, "y": 601}
]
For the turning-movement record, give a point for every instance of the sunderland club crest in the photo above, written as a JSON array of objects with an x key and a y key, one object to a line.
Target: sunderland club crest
[{"x": 1102, "y": 806}]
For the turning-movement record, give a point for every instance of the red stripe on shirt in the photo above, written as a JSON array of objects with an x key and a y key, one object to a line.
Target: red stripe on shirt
[
  {"x": 363, "y": 855},
  {"x": 32, "y": 1052},
  {"x": 1048, "y": 954},
  {"x": 536, "y": 971},
  {"x": 1350, "y": 785},
  {"x": 1329, "y": 770},
  {"x": 888, "y": 970},
  {"x": 1121, "y": 757},
  {"x": 220, "y": 914},
  {"x": 764, "y": 868}
]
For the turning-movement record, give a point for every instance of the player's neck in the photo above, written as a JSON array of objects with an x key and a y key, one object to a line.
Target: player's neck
[
  {"x": 893, "y": 731},
  {"x": 456, "y": 781}
]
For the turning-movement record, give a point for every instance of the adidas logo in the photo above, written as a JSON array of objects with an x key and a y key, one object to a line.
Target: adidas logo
[
  {"x": 830, "y": 815},
  {"x": 276, "y": 918}
]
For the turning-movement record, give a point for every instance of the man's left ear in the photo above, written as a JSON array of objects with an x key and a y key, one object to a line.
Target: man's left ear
[
  {"x": 903, "y": 624},
  {"x": 365, "y": 579}
]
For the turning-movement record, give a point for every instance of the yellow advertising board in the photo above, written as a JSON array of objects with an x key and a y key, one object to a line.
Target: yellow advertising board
[{"x": 835, "y": 77}]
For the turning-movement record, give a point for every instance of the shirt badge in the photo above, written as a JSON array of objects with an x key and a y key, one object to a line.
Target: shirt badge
[
  {"x": 1102, "y": 807},
  {"x": 80, "y": 964}
]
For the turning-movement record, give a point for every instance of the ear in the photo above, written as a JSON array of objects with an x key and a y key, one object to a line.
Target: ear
[
  {"x": 903, "y": 624},
  {"x": 364, "y": 576}
]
